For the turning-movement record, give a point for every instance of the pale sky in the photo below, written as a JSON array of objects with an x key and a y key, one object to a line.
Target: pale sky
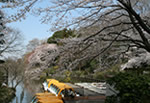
[{"x": 32, "y": 28}]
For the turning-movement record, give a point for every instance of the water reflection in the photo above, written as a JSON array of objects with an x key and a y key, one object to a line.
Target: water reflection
[{"x": 25, "y": 91}]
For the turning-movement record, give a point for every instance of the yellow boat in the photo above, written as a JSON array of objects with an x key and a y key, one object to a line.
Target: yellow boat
[
  {"x": 47, "y": 84},
  {"x": 46, "y": 98},
  {"x": 58, "y": 91}
]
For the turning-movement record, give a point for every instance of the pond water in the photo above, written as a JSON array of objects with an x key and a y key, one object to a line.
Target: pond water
[
  {"x": 26, "y": 91},
  {"x": 22, "y": 95}
]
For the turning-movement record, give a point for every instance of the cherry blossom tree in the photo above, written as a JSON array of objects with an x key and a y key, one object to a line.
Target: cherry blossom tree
[
  {"x": 33, "y": 44},
  {"x": 123, "y": 21},
  {"x": 121, "y": 26}
]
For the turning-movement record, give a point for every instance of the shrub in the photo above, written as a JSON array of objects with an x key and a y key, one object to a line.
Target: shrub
[{"x": 133, "y": 88}]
